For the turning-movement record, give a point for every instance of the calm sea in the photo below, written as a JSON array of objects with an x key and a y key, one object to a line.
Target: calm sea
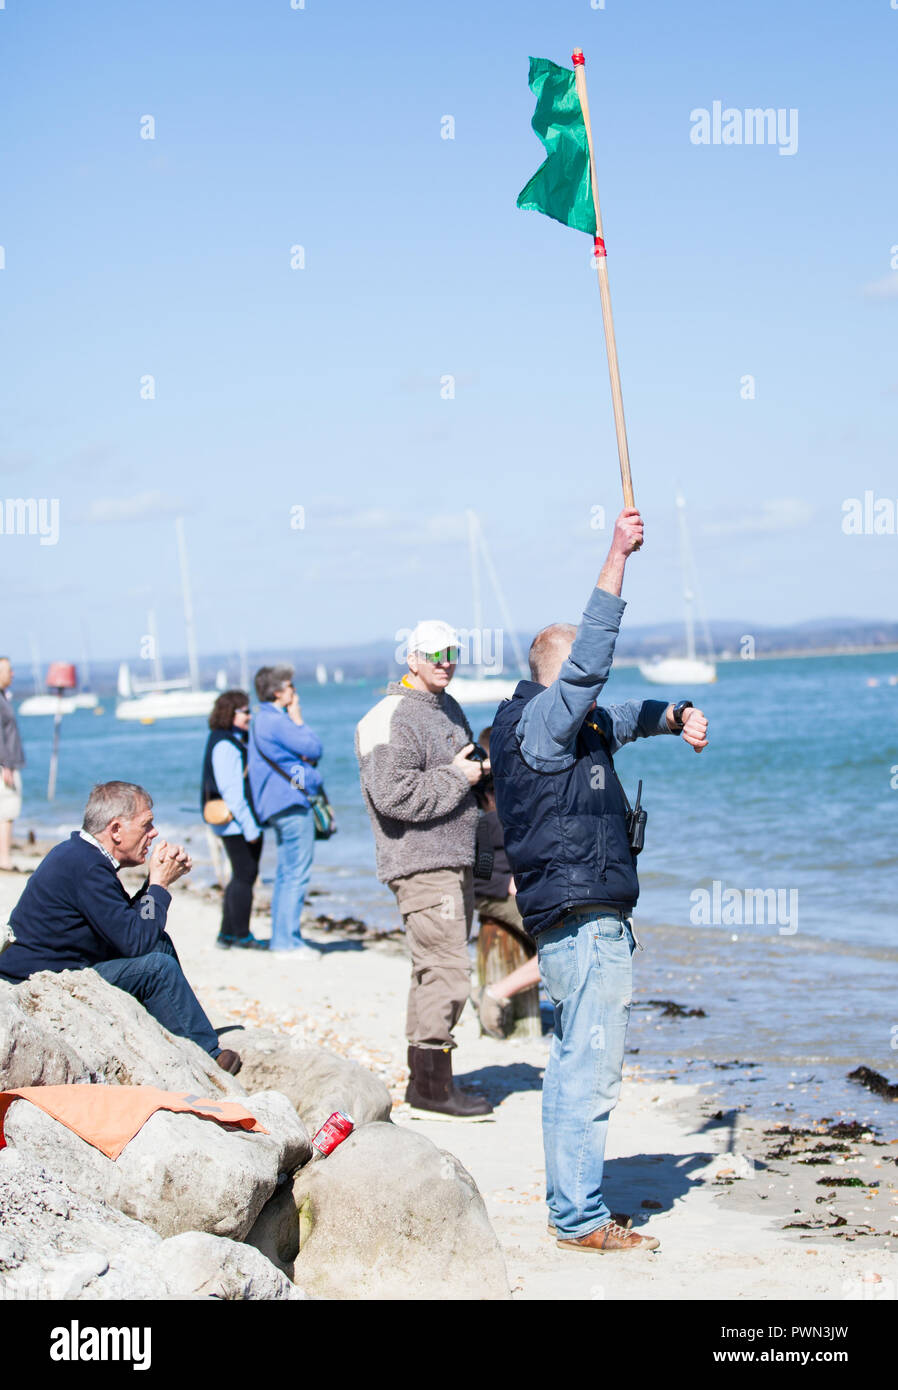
[{"x": 769, "y": 883}]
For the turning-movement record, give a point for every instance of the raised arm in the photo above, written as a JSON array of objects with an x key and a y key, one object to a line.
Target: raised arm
[{"x": 551, "y": 722}]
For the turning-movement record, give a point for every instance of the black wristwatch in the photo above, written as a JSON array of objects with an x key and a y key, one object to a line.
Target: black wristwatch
[{"x": 678, "y": 713}]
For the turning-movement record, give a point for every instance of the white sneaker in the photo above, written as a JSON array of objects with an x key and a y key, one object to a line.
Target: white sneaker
[{"x": 304, "y": 953}]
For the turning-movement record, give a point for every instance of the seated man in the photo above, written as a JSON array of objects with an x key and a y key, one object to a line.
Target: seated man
[{"x": 75, "y": 914}]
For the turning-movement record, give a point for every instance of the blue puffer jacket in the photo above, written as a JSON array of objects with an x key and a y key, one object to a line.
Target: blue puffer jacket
[
  {"x": 565, "y": 832},
  {"x": 289, "y": 745}
]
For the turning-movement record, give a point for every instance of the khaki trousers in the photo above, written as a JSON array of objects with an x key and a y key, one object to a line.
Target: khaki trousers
[
  {"x": 504, "y": 910},
  {"x": 437, "y": 907}
]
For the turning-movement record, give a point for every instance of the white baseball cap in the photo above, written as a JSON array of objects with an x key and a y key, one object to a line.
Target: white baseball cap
[{"x": 432, "y": 636}]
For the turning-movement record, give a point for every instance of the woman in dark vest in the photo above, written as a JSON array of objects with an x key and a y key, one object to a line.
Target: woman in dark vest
[{"x": 224, "y": 778}]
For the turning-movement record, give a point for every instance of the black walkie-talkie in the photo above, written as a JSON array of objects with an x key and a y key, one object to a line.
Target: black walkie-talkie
[{"x": 636, "y": 822}]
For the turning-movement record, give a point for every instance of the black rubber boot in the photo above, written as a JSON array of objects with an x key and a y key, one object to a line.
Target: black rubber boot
[
  {"x": 432, "y": 1088},
  {"x": 412, "y": 1089}
]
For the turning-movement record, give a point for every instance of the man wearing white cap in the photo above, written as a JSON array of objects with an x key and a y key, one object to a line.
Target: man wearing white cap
[{"x": 417, "y": 777}]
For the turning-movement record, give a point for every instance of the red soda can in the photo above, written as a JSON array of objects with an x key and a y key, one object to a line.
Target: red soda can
[{"x": 334, "y": 1130}]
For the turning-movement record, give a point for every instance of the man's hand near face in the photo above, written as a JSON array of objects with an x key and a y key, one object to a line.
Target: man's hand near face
[{"x": 168, "y": 863}]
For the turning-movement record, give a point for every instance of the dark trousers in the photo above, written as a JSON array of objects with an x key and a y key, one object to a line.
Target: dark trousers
[
  {"x": 238, "y": 896},
  {"x": 158, "y": 981}
]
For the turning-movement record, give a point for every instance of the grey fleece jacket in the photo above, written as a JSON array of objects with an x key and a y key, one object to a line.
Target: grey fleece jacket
[{"x": 422, "y": 811}]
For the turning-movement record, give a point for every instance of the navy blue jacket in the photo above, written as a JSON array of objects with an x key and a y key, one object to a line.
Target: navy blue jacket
[
  {"x": 565, "y": 832},
  {"x": 557, "y": 795},
  {"x": 74, "y": 913}
]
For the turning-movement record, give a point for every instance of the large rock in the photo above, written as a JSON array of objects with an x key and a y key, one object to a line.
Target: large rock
[
  {"x": 29, "y": 1054},
  {"x": 179, "y": 1172},
  {"x": 204, "y": 1266},
  {"x": 276, "y": 1230},
  {"x": 60, "y": 1244},
  {"x": 273, "y": 1110},
  {"x": 318, "y": 1082},
  {"x": 81, "y": 1025},
  {"x": 388, "y": 1215}
]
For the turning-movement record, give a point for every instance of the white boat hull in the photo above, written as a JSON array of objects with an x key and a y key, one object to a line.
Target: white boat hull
[
  {"x": 167, "y": 704},
  {"x": 46, "y": 704},
  {"x": 486, "y": 690},
  {"x": 679, "y": 671}
]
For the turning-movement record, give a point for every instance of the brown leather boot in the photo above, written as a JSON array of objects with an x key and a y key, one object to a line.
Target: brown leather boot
[
  {"x": 609, "y": 1238},
  {"x": 431, "y": 1087}
]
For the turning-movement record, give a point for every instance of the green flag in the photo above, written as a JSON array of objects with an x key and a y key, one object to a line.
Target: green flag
[{"x": 561, "y": 186}]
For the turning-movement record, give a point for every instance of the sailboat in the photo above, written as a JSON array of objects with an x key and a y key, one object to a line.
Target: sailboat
[
  {"x": 43, "y": 702},
  {"x": 85, "y": 698},
  {"x": 484, "y": 687},
  {"x": 147, "y": 701},
  {"x": 321, "y": 673},
  {"x": 689, "y": 669}
]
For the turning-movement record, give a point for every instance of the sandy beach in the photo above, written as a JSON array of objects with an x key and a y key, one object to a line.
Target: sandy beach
[{"x": 743, "y": 1210}]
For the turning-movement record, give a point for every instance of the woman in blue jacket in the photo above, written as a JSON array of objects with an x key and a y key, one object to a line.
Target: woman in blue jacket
[
  {"x": 283, "y": 752},
  {"x": 224, "y": 777}
]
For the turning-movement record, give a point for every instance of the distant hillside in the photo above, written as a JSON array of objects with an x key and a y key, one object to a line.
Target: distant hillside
[
  {"x": 375, "y": 660},
  {"x": 818, "y": 634}
]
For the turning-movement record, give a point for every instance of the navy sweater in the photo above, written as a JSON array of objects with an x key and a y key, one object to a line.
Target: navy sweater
[{"x": 75, "y": 913}]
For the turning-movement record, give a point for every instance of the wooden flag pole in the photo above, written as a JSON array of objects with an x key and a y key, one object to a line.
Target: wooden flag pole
[{"x": 601, "y": 259}]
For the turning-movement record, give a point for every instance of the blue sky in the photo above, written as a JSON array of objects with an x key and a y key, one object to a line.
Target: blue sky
[{"x": 320, "y": 388}]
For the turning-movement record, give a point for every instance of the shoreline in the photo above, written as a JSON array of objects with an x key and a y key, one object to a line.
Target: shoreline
[
  {"x": 737, "y": 1054},
  {"x": 738, "y": 1205},
  {"x": 698, "y": 1176}
]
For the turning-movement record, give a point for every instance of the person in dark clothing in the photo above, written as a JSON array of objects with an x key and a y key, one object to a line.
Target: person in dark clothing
[
  {"x": 495, "y": 899},
  {"x": 75, "y": 914},
  {"x": 569, "y": 842},
  {"x": 225, "y": 779}
]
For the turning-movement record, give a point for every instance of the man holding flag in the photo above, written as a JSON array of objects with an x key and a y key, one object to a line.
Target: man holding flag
[
  {"x": 569, "y": 839},
  {"x": 570, "y": 834}
]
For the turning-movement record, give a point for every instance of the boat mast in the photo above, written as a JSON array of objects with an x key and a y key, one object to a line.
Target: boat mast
[
  {"x": 153, "y": 632},
  {"x": 688, "y": 595},
  {"x": 473, "y": 529},
  {"x": 35, "y": 665},
  {"x": 85, "y": 659},
  {"x": 503, "y": 606},
  {"x": 192, "y": 663}
]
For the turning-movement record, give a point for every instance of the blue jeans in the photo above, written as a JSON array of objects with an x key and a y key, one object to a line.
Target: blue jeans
[
  {"x": 294, "y": 830},
  {"x": 587, "y": 971},
  {"x": 159, "y": 983}
]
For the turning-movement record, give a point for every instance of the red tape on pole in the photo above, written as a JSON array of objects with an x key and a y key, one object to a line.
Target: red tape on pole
[{"x": 599, "y": 249}]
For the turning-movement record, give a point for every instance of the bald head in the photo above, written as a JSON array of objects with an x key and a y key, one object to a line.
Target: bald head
[{"x": 549, "y": 650}]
